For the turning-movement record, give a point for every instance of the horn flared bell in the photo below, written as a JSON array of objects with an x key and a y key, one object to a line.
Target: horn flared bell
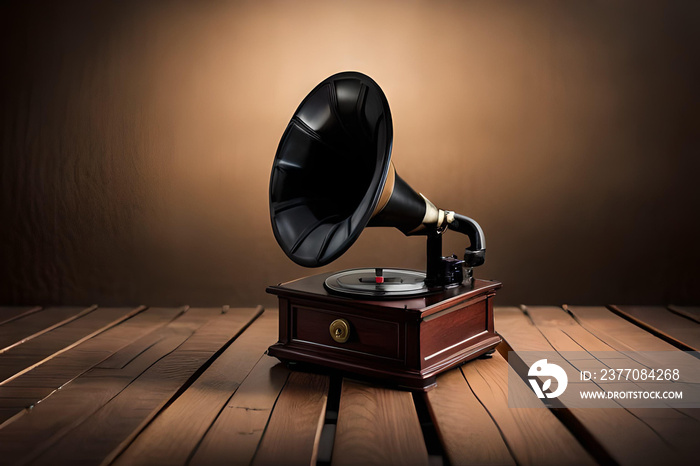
[{"x": 332, "y": 175}]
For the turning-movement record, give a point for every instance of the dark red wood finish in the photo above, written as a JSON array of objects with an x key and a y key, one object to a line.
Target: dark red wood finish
[
  {"x": 405, "y": 342},
  {"x": 372, "y": 337}
]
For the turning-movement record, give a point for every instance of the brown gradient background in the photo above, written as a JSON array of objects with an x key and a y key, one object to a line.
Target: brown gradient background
[{"x": 138, "y": 137}]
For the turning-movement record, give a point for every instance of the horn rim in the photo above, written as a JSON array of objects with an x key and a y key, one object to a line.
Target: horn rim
[{"x": 372, "y": 199}]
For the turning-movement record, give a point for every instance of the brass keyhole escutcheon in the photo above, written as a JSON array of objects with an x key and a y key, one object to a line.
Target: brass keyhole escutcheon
[{"x": 340, "y": 330}]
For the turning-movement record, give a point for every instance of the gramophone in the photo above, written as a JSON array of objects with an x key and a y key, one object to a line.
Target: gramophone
[{"x": 333, "y": 176}]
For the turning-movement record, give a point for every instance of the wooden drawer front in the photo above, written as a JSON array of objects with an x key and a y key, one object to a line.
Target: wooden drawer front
[
  {"x": 449, "y": 332},
  {"x": 367, "y": 336}
]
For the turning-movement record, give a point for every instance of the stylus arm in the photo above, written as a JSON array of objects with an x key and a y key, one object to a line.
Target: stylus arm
[{"x": 475, "y": 254}]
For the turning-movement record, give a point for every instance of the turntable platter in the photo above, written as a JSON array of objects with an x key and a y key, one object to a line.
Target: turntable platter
[{"x": 377, "y": 283}]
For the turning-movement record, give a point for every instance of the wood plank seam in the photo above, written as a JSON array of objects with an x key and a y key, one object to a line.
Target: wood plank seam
[
  {"x": 22, "y": 315},
  {"x": 654, "y": 331},
  {"x": 210, "y": 361},
  {"x": 683, "y": 313},
  {"x": 582, "y": 435},
  {"x": 76, "y": 343},
  {"x": 77, "y": 374},
  {"x": 500, "y": 431},
  {"x": 586, "y": 437},
  {"x": 126, "y": 361},
  {"x": 305, "y": 394},
  {"x": 29, "y": 408},
  {"x": 525, "y": 430},
  {"x": 618, "y": 345},
  {"x": 377, "y": 425},
  {"x": 267, "y": 424},
  {"x": 565, "y": 308},
  {"x": 553, "y": 348},
  {"x": 590, "y": 333},
  {"x": 614, "y": 344},
  {"x": 428, "y": 428},
  {"x": 468, "y": 435},
  {"x": 564, "y": 415},
  {"x": 175, "y": 433},
  {"x": 234, "y": 436},
  {"x": 639, "y": 340},
  {"x": 114, "y": 455},
  {"x": 330, "y": 420},
  {"x": 183, "y": 309},
  {"x": 48, "y": 329},
  {"x": 223, "y": 407},
  {"x": 21, "y": 413},
  {"x": 191, "y": 338}
]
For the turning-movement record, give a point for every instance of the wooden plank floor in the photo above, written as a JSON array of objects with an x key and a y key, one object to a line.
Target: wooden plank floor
[{"x": 149, "y": 385}]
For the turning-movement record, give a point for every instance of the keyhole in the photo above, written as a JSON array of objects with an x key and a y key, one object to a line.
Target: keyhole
[{"x": 339, "y": 330}]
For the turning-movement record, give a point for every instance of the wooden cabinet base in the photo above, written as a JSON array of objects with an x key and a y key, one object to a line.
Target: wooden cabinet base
[{"x": 404, "y": 342}]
